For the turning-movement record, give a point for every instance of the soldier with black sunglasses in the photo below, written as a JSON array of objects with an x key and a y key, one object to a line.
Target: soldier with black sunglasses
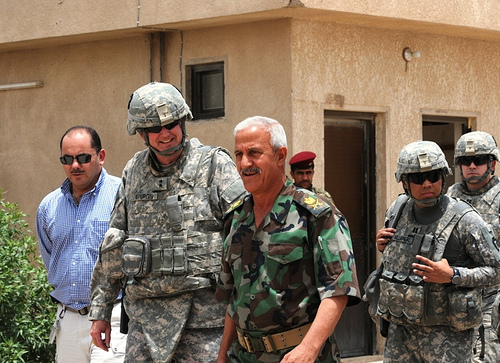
[
  {"x": 476, "y": 154},
  {"x": 436, "y": 260}
]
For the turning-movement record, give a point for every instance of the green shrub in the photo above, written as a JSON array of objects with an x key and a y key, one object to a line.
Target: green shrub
[{"x": 26, "y": 311}]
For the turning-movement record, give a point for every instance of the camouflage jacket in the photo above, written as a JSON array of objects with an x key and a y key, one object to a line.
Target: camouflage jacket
[
  {"x": 141, "y": 209},
  {"x": 487, "y": 202},
  {"x": 274, "y": 277}
]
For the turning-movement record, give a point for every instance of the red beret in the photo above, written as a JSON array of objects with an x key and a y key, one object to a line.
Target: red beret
[{"x": 303, "y": 160}]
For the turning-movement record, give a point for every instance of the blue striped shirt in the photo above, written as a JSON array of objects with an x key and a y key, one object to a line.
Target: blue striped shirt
[{"x": 69, "y": 236}]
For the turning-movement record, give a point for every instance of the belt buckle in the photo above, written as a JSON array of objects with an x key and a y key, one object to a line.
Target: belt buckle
[
  {"x": 248, "y": 344},
  {"x": 84, "y": 311}
]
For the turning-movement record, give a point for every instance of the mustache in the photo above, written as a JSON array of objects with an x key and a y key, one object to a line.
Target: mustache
[
  {"x": 251, "y": 170},
  {"x": 77, "y": 171}
]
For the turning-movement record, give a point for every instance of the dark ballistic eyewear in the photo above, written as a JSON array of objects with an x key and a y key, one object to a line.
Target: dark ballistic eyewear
[
  {"x": 477, "y": 160},
  {"x": 82, "y": 159},
  {"x": 419, "y": 178},
  {"x": 157, "y": 129}
]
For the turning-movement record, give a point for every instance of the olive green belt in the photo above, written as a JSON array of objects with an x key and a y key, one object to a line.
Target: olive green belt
[{"x": 272, "y": 342}]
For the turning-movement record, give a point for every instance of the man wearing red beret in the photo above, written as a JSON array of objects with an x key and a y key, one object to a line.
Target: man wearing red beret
[{"x": 302, "y": 172}]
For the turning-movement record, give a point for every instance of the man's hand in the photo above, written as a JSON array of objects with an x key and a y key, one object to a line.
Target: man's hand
[
  {"x": 384, "y": 235},
  {"x": 100, "y": 327},
  {"x": 439, "y": 272},
  {"x": 329, "y": 312}
]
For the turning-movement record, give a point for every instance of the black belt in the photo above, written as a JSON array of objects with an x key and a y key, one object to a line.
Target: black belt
[{"x": 82, "y": 311}]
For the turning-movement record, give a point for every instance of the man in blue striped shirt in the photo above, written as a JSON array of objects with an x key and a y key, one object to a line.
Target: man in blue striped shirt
[{"x": 71, "y": 222}]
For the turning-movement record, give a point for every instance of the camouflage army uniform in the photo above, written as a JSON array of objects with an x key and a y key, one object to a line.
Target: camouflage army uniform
[
  {"x": 427, "y": 324},
  {"x": 487, "y": 202},
  {"x": 169, "y": 309},
  {"x": 274, "y": 278}
]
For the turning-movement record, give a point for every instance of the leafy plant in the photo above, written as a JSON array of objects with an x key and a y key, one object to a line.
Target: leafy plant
[{"x": 26, "y": 311}]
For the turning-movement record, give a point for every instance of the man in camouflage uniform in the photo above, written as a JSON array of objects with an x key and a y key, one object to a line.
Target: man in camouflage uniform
[
  {"x": 288, "y": 267},
  {"x": 164, "y": 243},
  {"x": 476, "y": 154},
  {"x": 302, "y": 173},
  {"x": 435, "y": 262}
]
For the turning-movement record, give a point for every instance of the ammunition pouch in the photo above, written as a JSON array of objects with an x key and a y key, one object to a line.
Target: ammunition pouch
[
  {"x": 402, "y": 300},
  {"x": 168, "y": 255},
  {"x": 403, "y": 297}
]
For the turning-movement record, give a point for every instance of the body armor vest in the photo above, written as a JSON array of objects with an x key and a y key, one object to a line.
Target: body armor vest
[
  {"x": 404, "y": 297},
  {"x": 172, "y": 228}
]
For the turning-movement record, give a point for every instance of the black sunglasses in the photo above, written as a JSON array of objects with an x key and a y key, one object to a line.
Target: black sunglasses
[
  {"x": 419, "y": 178},
  {"x": 82, "y": 159},
  {"x": 157, "y": 129},
  {"x": 477, "y": 160}
]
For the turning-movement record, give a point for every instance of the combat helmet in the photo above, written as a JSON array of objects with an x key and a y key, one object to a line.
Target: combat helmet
[
  {"x": 420, "y": 157},
  {"x": 157, "y": 104},
  {"x": 477, "y": 143}
]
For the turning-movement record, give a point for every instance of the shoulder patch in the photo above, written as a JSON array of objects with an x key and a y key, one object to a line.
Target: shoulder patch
[
  {"x": 315, "y": 205},
  {"x": 238, "y": 203}
]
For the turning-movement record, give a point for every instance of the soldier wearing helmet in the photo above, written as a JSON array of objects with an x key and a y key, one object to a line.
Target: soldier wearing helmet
[
  {"x": 165, "y": 238},
  {"x": 437, "y": 255},
  {"x": 476, "y": 154}
]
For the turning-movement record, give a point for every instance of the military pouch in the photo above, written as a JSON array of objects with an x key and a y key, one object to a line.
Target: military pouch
[
  {"x": 495, "y": 315},
  {"x": 169, "y": 256},
  {"x": 400, "y": 302},
  {"x": 372, "y": 292},
  {"x": 465, "y": 308},
  {"x": 174, "y": 211},
  {"x": 136, "y": 260},
  {"x": 428, "y": 246}
]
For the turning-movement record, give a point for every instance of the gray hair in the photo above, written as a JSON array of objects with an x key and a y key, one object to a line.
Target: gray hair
[{"x": 275, "y": 129}]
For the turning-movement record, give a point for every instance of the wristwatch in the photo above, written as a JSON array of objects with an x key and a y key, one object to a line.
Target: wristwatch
[{"x": 455, "y": 280}]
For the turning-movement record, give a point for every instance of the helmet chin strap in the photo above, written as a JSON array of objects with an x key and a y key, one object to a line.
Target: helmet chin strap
[
  {"x": 169, "y": 151},
  {"x": 427, "y": 202}
]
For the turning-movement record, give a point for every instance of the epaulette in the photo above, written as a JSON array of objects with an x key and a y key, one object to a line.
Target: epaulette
[
  {"x": 238, "y": 203},
  {"x": 314, "y": 204}
]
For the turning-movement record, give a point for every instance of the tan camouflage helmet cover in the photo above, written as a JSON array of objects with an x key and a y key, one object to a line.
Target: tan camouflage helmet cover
[
  {"x": 420, "y": 157},
  {"x": 476, "y": 143},
  {"x": 156, "y": 104}
]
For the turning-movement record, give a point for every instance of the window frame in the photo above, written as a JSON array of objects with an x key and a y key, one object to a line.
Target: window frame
[{"x": 198, "y": 74}]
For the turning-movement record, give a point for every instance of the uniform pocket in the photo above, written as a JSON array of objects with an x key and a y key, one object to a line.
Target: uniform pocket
[
  {"x": 465, "y": 308},
  {"x": 284, "y": 267}
]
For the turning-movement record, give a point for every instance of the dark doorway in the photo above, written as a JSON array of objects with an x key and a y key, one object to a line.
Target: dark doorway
[
  {"x": 350, "y": 179},
  {"x": 445, "y": 131}
]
